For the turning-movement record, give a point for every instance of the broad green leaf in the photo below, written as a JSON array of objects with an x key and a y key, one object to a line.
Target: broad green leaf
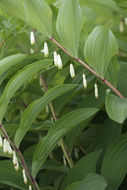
[
  {"x": 112, "y": 71},
  {"x": 7, "y": 62},
  {"x": 39, "y": 16},
  {"x": 69, "y": 24},
  {"x": 116, "y": 107},
  {"x": 100, "y": 47},
  {"x": 86, "y": 165},
  {"x": 106, "y": 134},
  {"x": 10, "y": 177},
  {"x": 123, "y": 4},
  {"x": 18, "y": 80},
  {"x": 106, "y": 8},
  {"x": 13, "y": 8},
  {"x": 35, "y": 108},
  {"x": 114, "y": 167},
  {"x": 122, "y": 78},
  {"x": 60, "y": 128},
  {"x": 91, "y": 182}
]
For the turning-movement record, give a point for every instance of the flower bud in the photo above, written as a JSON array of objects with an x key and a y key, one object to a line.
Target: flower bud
[
  {"x": 32, "y": 38},
  {"x": 72, "y": 71},
  {"x": 59, "y": 62},
  {"x": 125, "y": 20},
  {"x": 5, "y": 147},
  {"x": 84, "y": 81},
  {"x": 9, "y": 149},
  {"x": 17, "y": 166},
  {"x": 96, "y": 90},
  {"x": 31, "y": 51},
  {"x": 121, "y": 26},
  {"x": 24, "y": 176},
  {"x": 30, "y": 187},
  {"x": 46, "y": 51},
  {"x": 15, "y": 159},
  {"x": 1, "y": 142},
  {"x": 55, "y": 58}
]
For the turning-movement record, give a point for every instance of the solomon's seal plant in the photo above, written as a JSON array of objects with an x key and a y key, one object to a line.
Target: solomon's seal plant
[{"x": 63, "y": 94}]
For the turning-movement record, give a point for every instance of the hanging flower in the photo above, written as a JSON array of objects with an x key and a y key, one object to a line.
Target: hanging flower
[
  {"x": 17, "y": 166},
  {"x": 96, "y": 90},
  {"x": 55, "y": 58},
  {"x": 84, "y": 81},
  {"x": 24, "y": 176},
  {"x": 45, "y": 50},
  {"x": 30, "y": 187},
  {"x": 72, "y": 71},
  {"x": 59, "y": 62},
  {"x": 32, "y": 38},
  {"x": 1, "y": 142},
  {"x": 5, "y": 147},
  {"x": 9, "y": 149},
  {"x": 15, "y": 159},
  {"x": 125, "y": 20},
  {"x": 121, "y": 26}
]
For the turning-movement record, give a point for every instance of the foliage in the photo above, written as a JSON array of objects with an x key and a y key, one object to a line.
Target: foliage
[{"x": 71, "y": 135}]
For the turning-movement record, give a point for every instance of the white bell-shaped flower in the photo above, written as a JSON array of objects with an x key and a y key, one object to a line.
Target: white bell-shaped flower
[
  {"x": 5, "y": 146},
  {"x": 17, "y": 166},
  {"x": 15, "y": 159},
  {"x": 72, "y": 71},
  {"x": 31, "y": 51},
  {"x": 96, "y": 90},
  {"x": 55, "y": 58},
  {"x": 84, "y": 81},
  {"x": 59, "y": 62},
  {"x": 125, "y": 20},
  {"x": 30, "y": 187},
  {"x": 9, "y": 149},
  {"x": 32, "y": 38},
  {"x": 1, "y": 142},
  {"x": 24, "y": 176},
  {"x": 46, "y": 50},
  {"x": 121, "y": 27}
]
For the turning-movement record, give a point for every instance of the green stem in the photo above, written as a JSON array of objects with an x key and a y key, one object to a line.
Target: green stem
[{"x": 62, "y": 144}]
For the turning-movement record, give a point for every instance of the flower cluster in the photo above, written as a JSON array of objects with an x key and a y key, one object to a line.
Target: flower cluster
[
  {"x": 8, "y": 149},
  {"x": 58, "y": 63}
]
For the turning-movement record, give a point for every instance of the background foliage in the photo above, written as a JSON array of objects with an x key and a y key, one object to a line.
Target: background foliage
[{"x": 93, "y": 130}]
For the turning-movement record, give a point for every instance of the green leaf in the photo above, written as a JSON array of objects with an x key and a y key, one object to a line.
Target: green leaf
[
  {"x": 91, "y": 182},
  {"x": 10, "y": 177},
  {"x": 60, "y": 128},
  {"x": 10, "y": 61},
  {"x": 17, "y": 81},
  {"x": 69, "y": 24},
  {"x": 35, "y": 108},
  {"x": 112, "y": 71},
  {"x": 116, "y": 107},
  {"x": 106, "y": 8},
  {"x": 39, "y": 16},
  {"x": 83, "y": 167},
  {"x": 122, "y": 78},
  {"x": 114, "y": 167},
  {"x": 100, "y": 47},
  {"x": 12, "y": 8}
]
